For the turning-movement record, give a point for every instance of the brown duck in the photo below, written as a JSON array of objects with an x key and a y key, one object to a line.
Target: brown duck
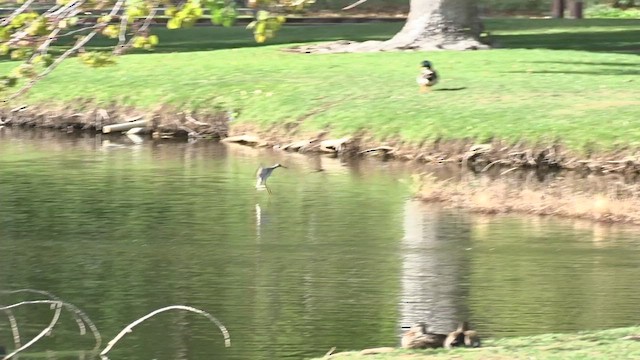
[
  {"x": 417, "y": 337},
  {"x": 462, "y": 336}
]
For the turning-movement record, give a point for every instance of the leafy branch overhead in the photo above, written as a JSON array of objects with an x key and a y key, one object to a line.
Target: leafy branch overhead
[{"x": 27, "y": 33}]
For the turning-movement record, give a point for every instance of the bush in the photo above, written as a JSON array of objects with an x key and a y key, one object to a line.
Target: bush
[
  {"x": 515, "y": 6},
  {"x": 606, "y": 11}
]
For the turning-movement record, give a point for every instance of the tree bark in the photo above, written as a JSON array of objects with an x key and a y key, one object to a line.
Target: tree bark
[
  {"x": 439, "y": 24},
  {"x": 577, "y": 9},
  {"x": 557, "y": 9},
  {"x": 431, "y": 25}
]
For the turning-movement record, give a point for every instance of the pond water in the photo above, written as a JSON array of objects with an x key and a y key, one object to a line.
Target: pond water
[{"x": 340, "y": 257}]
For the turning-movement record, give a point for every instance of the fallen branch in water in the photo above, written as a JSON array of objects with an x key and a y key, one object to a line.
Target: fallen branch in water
[
  {"x": 131, "y": 123},
  {"x": 329, "y": 352},
  {"x": 14, "y": 328},
  {"x": 56, "y": 315},
  {"x": 129, "y": 328},
  {"x": 79, "y": 316}
]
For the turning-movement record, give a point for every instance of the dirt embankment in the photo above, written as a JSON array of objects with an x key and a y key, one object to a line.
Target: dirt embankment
[{"x": 161, "y": 122}]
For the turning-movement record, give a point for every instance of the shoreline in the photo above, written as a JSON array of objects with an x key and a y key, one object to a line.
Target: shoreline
[
  {"x": 617, "y": 343},
  {"x": 171, "y": 122},
  {"x": 493, "y": 184}
]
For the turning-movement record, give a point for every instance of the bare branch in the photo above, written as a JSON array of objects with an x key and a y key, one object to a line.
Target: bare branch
[
  {"x": 147, "y": 21},
  {"x": 16, "y": 12},
  {"x": 68, "y": 10},
  {"x": 42, "y": 49},
  {"x": 145, "y": 25},
  {"x": 79, "y": 30},
  {"x": 116, "y": 8},
  {"x": 51, "y": 297},
  {"x": 51, "y": 67},
  {"x": 62, "y": 57},
  {"x": 122, "y": 38},
  {"x": 60, "y": 12},
  {"x": 57, "y": 307},
  {"x": 51, "y": 9},
  {"x": 129, "y": 328},
  {"x": 359, "y": 2}
]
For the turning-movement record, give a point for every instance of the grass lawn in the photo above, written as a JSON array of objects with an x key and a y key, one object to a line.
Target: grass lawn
[
  {"x": 573, "y": 80},
  {"x": 607, "y": 344}
]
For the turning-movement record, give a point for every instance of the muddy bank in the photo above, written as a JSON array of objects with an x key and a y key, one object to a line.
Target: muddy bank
[
  {"x": 497, "y": 156},
  {"x": 165, "y": 122}
]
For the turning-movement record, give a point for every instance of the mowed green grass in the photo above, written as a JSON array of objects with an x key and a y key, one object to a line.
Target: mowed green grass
[
  {"x": 595, "y": 345},
  {"x": 571, "y": 81}
]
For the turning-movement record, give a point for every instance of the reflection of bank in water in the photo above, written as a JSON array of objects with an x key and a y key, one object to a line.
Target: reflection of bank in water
[{"x": 433, "y": 273}]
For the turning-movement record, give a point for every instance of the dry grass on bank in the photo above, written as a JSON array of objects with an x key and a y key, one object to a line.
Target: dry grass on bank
[{"x": 599, "y": 198}]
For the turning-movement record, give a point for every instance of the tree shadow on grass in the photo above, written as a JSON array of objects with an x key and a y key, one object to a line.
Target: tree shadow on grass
[
  {"x": 622, "y": 41},
  {"x": 525, "y": 24},
  {"x": 599, "y": 63},
  {"x": 206, "y": 38},
  {"x": 564, "y": 35},
  {"x": 594, "y": 35},
  {"x": 599, "y": 72},
  {"x": 607, "y": 68}
]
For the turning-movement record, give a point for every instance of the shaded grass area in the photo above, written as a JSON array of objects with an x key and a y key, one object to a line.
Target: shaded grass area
[
  {"x": 206, "y": 38},
  {"x": 593, "y": 35},
  {"x": 585, "y": 97},
  {"x": 607, "y": 344}
]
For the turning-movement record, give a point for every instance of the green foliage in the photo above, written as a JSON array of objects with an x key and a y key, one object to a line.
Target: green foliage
[
  {"x": 145, "y": 42},
  {"x": 222, "y": 12},
  {"x": 185, "y": 16},
  {"x": 26, "y": 32},
  {"x": 97, "y": 58},
  {"x": 44, "y": 60},
  {"x": 137, "y": 9},
  {"x": 8, "y": 81},
  {"x": 515, "y": 6},
  {"x": 606, "y": 11},
  {"x": 111, "y": 31},
  {"x": 19, "y": 54},
  {"x": 265, "y": 26},
  {"x": 24, "y": 71}
]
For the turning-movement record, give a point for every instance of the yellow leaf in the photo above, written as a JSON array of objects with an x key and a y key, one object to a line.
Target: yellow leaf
[{"x": 171, "y": 11}]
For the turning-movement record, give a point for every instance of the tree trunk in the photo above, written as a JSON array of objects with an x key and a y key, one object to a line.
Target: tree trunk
[
  {"x": 557, "y": 9},
  {"x": 439, "y": 24},
  {"x": 431, "y": 25},
  {"x": 577, "y": 9}
]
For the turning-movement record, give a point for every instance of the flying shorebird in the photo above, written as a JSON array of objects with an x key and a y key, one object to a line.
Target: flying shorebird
[{"x": 263, "y": 174}]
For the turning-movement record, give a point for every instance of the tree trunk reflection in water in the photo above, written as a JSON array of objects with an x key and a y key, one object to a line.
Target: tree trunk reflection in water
[{"x": 433, "y": 286}]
